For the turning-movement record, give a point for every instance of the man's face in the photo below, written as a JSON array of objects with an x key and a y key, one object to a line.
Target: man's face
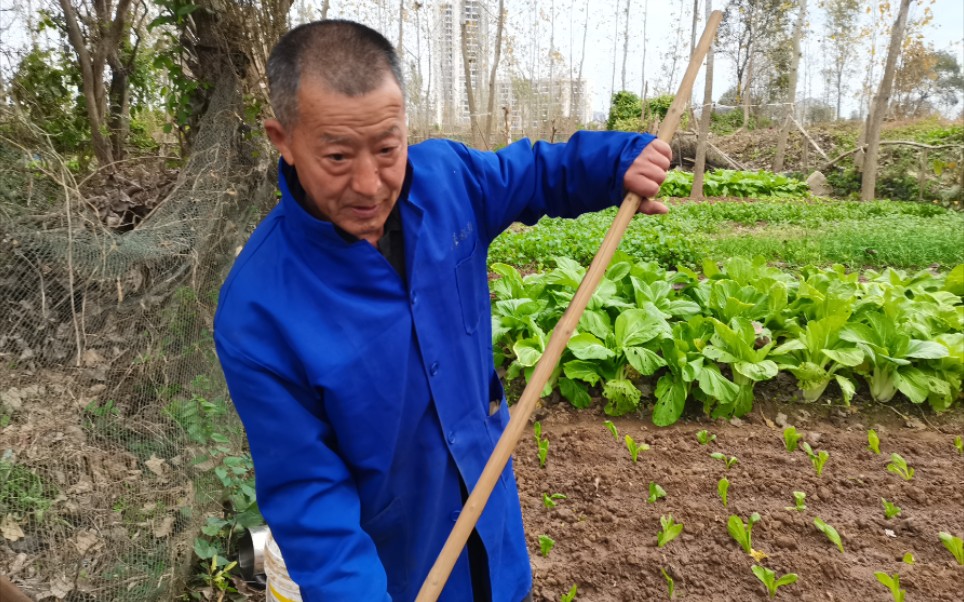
[{"x": 350, "y": 153}]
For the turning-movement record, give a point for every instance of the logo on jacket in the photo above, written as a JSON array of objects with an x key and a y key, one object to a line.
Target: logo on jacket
[{"x": 460, "y": 236}]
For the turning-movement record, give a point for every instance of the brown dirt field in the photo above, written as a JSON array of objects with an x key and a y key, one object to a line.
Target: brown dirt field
[{"x": 605, "y": 531}]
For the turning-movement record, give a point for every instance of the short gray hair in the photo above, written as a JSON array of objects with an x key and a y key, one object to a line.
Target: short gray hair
[{"x": 349, "y": 58}]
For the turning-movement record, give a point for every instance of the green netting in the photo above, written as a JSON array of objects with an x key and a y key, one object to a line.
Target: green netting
[{"x": 116, "y": 432}]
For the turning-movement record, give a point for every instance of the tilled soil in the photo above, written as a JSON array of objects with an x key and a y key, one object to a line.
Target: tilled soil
[{"x": 605, "y": 531}]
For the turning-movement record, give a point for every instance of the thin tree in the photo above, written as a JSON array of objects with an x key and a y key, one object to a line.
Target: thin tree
[
  {"x": 625, "y": 45},
  {"x": 467, "y": 60},
  {"x": 490, "y": 110},
  {"x": 868, "y": 182},
  {"x": 790, "y": 105},
  {"x": 706, "y": 116},
  {"x": 841, "y": 28}
]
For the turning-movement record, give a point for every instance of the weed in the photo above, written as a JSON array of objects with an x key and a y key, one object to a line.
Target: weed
[
  {"x": 22, "y": 492},
  {"x": 769, "y": 579},
  {"x": 668, "y": 530},
  {"x": 830, "y": 532},
  {"x": 546, "y": 544}
]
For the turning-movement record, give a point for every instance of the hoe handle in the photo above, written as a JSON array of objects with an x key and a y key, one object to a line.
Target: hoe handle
[{"x": 432, "y": 587}]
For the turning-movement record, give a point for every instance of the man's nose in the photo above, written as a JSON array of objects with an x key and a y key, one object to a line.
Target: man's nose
[{"x": 365, "y": 180}]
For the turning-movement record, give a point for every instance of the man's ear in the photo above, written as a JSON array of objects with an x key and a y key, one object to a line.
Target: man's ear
[{"x": 279, "y": 138}]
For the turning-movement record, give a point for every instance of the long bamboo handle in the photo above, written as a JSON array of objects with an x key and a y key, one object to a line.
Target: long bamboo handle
[{"x": 432, "y": 587}]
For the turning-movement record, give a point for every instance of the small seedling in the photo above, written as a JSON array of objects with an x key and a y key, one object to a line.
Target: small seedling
[
  {"x": 799, "y": 501},
  {"x": 545, "y": 545},
  {"x": 959, "y": 444},
  {"x": 634, "y": 448},
  {"x": 790, "y": 438},
  {"x": 818, "y": 460},
  {"x": 769, "y": 579},
  {"x": 909, "y": 558},
  {"x": 612, "y": 429},
  {"x": 670, "y": 583},
  {"x": 655, "y": 492},
  {"x": 954, "y": 545},
  {"x": 730, "y": 462},
  {"x": 549, "y": 501},
  {"x": 890, "y": 509},
  {"x": 722, "y": 488},
  {"x": 742, "y": 532},
  {"x": 668, "y": 530},
  {"x": 704, "y": 437},
  {"x": 570, "y": 595},
  {"x": 830, "y": 532},
  {"x": 873, "y": 441},
  {"x": 898, "y": 466},
  {"x": 543, "y": 444},
  {"x": 891, "y": 582}
]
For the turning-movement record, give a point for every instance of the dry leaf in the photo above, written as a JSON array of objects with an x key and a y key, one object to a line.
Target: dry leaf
[
  {"x": 10, "y": 529},
  {"x": 757, "y": 555},
  {"x": 87, "y": 540},
  {"x": 164, "y": 528},
  {"x": 157, "y": 466}
]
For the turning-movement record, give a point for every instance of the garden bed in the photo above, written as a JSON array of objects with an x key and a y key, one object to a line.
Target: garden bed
[{"x": 605, "y": 531}]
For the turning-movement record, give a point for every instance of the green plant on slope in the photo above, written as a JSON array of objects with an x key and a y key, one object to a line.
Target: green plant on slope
[
  {"x": 655, "y": 492},
  {"x": 770, "y": 580},
  {"x": 612, "y": 429},
  {"x": 704, "y": 437},
  {"x": 549, "y": 501},
  {"x": 873, "y": 441},
  {"x": 959, "y": 444},
  {"x": 546, "y": 544},
  {"x": 830, "y": 533},
  {"x": 634, "y": 448},
  {"x": 790, "y": 438},
  {"x": 728, "y": 462},
  {"x": 670, "y": 583},
  {"x": 898, "y": 466},
  {"x": 570, "y": 595},
  {"x": 668, "y": 530},
  {"x": 890, "y": 509},
  {"x": 954, "y": 545},
  {"x": 722, "y": 489},
  {"x": 891, "y": 582},
  {"x": 742, "y": 532},
  {"x": 818, "y": 459},
  {"x": 818, "y": 356},
  {"x": 799, "y": 501}
]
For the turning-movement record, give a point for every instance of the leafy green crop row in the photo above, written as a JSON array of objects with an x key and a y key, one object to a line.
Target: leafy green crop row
[
  {"x": 727, "y": 182},
  {"x": 714, "y": 338}
]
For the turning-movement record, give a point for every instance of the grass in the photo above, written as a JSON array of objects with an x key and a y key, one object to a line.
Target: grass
[{"x": 794, "y": 232}]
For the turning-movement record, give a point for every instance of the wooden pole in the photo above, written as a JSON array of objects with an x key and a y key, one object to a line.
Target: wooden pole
[{"x": 432, "y": 587}]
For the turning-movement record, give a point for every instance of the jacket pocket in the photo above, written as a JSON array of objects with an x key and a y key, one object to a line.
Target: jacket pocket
[
  {"x": 470, "y": 288},
  {"x": 387, "y": 529}
]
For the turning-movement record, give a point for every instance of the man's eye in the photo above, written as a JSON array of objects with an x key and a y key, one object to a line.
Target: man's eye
[
  {"x": 336, "y": 157},
  {"x": 388, "y": 150}
]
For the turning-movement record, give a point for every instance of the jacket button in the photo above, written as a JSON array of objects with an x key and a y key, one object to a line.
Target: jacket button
[
  {"x": 433, "y": 370},
  {"x": 455, "y": 515},
  {"x": 452, "y": 437},
  {"x": 414, "y": 297}
]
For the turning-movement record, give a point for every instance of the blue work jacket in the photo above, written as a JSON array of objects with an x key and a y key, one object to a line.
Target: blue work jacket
[{"x": 366, "y": 398}]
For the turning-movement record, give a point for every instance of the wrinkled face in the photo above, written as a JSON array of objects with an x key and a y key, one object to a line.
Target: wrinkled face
[{"x": 350, "y": 153}]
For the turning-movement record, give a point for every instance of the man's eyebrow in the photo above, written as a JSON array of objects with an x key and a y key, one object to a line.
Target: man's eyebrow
[{"x": 392, "y": 131}]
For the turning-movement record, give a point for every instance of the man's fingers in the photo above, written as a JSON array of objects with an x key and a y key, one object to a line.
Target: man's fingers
[{"x": 651, "y": 207}]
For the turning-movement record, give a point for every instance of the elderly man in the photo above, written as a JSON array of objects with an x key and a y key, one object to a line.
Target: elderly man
[{"x": 354, "y": 328}]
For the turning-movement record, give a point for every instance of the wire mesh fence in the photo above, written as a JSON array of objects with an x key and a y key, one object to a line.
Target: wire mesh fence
[{"x": 118, "y": 442}]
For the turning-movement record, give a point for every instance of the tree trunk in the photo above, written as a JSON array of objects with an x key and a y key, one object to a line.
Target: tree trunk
[
  {"x": 868, "y": 183},
  {"x": 401, "y": 31},
  {"x": 324, "y": 9},
  {"x": 705, "y": 116},
  {"x": 469, "y": 91},
  {"x": 625, "y": 45},
  {"x": 780, "y": 155},
  {"x": 490, "y": 110},
  {"x": 747, "y": 80}
]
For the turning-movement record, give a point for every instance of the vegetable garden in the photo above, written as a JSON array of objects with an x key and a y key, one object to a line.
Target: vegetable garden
[{"x": 782, "y": 420}]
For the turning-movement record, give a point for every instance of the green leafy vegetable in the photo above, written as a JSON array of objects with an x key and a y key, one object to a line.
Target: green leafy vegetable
[
  {"x": 959, "y": 444},
  {"x": 799, "y": 501},
  {"x": 890, "y": 509},
  {"x": 742, "y": 532},
  {"x": 790, "y": 438},
  {"x": 655, "y": 492},
  {"x": 873, "y": 441},
  {"x": 545, "y": 545},
  {"x": 830, "y": 532},
  {"x": 728, "y": 462},
  {"x": 549, "y": 501},
  {"x": 954, "y": 545},
  {"x": 722, "y": 488},
  {"x": 891, "y": 582},
  {"x": 770, "y": 580},
  {"x": 704, "y": 437},
  {"x": 898, "y": 466},
  {"x": 542, "y": 443},
  {"x": 668, "y": 531},
  {"x": 670, "y": 583},
  {"x": 612, "y": 429},
  {"x": 634, "y": 448},
  {"x": 908, "y": 558},
  {"x": 570, "y": 595}
]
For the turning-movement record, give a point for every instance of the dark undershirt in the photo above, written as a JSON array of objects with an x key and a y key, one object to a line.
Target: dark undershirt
[{"x": 392, "y": 247}]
